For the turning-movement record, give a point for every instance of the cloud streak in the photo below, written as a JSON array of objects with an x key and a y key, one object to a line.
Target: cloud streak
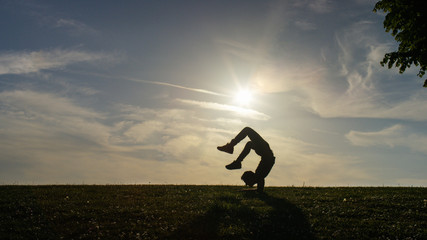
[
  {"x": 245, "y": 112},
  {"x": 387, "y": 136},
  {"x": 33, "y": 110},
  {"x": 28, "y": 62},
  {"x": 74, "y": 27},
  {"x": 178, "y": 86},
  {"x": 198, "y": 90},
  {"x": 318, "y": 6},
  {"x": 396, "y": 135}
]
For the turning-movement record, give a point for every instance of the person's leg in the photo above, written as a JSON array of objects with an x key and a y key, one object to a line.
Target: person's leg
[
  {"x": 246, "y": 132},
  {"x": 263, "y": 169},
  {"x": 256, "y": 142},
  {"x": 245, "y": 151},
  {"x": 237, "y": 164}
]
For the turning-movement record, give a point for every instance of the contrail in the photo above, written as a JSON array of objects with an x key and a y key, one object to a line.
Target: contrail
[
  {"x": 179, "y": 86},
  {"x": 156, "y": 83}
]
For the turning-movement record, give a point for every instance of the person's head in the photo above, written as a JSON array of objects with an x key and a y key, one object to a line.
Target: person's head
[{"x": 249, "y": 178}]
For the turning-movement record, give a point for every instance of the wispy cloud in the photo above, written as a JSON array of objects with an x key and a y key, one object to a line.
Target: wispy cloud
[
  {"x": 350, "y": 85},
  {"x": 46, "y": 103},
  {"x": 34, "y": 111},
  {"x": 27, "y": 62},
  {"x": 386, "y": 136},
  {"x": 74, "y": 27},
  {"x": 396, "y": 135},
  {"x": 305, "y": 25},
  {"x": 321, "y": 6},
  {"x": 364, "y": 94},
  {"x": 245, "y": 112},
  {"x": 46, "y": 16},
  {"x": 318, "y": 6}
]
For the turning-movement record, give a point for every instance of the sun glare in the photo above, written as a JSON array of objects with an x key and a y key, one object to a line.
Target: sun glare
[{"x": 243, "y": 97}]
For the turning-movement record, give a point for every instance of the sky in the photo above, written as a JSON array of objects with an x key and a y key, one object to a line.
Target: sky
[{"x": 142, "y": 92}]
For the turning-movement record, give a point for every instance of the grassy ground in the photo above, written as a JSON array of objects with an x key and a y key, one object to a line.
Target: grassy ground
[{"x": 211, "y": 212}]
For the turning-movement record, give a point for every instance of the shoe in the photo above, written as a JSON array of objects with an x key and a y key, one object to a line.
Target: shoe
[
  {"x": 226, "y": 148},
  {"x": 234, "y": 165}
]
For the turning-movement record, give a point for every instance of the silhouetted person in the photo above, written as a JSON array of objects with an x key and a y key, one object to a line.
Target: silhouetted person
[{"x": 261, "y": 147}]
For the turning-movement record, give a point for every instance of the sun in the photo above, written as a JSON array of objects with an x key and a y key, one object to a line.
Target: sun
[{"x": 243, "y": 97}]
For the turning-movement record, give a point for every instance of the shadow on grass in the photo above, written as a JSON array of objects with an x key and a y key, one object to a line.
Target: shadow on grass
[{"x": 250, "y": 216}]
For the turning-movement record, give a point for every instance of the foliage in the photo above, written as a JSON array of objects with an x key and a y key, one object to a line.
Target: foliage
[
  {"x": 407, "y": 21},
  {"x": 211, "y": 212}
]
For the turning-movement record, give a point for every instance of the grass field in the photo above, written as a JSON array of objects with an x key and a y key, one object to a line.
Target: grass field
[{"x": 211, "y": 212}]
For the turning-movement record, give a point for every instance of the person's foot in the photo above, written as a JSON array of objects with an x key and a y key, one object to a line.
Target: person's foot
[
  {"x": 228, "y": 148},
  {"x": 234, "y": 165}
]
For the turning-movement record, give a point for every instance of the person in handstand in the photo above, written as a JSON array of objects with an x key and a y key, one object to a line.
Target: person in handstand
[{"x": 261, "y": 147}]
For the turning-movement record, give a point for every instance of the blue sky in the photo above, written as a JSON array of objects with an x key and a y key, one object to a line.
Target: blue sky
[{"x": 102, "y": 92}]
